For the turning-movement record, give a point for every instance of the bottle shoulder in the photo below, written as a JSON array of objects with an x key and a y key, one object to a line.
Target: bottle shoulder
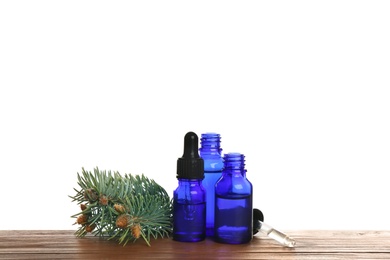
[
  {"x": 231, "y": 184},
  {"x": 191, "y": 192},
  {"x": 212, "y": 159},
  {"x": 213, "y": 165}
]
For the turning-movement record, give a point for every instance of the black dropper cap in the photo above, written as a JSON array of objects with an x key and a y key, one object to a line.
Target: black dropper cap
[
  {"x": 258, "y": 217},
  {"x": 190, "y": 165}
]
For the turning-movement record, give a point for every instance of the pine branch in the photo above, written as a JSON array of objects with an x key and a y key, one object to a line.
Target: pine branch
[{"x": 121, "y": 207}]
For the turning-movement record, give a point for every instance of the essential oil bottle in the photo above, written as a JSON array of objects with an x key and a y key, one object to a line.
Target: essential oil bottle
[
  {"x": 233, "y": 203},
  {"x": 210, "y": 150},
  {"x": 189, "y": 199}
]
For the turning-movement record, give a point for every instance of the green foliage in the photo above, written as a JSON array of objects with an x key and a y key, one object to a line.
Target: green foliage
[{"x": 122, "y": 207}]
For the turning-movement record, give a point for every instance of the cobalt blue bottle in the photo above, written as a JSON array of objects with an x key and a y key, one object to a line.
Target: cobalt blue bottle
[
  {"x": 210, "y": 150},
  {"x": 189, "y": 199},
  {"x": 233, "y": 203}
]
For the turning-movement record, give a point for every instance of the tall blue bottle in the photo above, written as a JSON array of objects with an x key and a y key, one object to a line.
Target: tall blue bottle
[
  {"x": 233, "y": 203},
  {"x": 189, "y": 199},
  {"x": 210, "y": 150}
]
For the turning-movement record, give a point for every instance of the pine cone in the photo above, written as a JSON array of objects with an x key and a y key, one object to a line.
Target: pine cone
[
  {"x": 122, "y": 221},
  {"x": 83, "y": 207},
  {"x": 103, "y": 200},
  {"x": 136, "y": 230},
  {"x": 82, "y": 219},
  {"x": 90, "y": 228},
  {"x": 119, "y": 208}
]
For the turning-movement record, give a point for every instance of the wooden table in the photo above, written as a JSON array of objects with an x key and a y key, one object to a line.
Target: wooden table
[{"x": 62, "y": 244}]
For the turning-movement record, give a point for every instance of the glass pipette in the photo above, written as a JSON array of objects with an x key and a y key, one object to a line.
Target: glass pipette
[{"x": 259, "y": 225}]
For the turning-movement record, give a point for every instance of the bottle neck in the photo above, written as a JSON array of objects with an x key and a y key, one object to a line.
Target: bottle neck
[
  {"x": 213, "y": 155},
  {"x": 210, "y": 144},
  {"x": 234, "y": 164}
]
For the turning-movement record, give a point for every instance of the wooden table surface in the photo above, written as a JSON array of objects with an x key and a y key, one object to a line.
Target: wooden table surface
[{"x": 311, "y": 244}]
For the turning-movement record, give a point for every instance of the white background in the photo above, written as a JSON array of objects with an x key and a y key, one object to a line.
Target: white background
[{"x": 300, "y": 87}]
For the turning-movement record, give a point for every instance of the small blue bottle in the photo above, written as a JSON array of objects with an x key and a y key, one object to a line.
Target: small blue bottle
[
  {"x": 210, "y": 150},
  {"x": 233, "y": 203},
  {"x": 189, "y": 199}
]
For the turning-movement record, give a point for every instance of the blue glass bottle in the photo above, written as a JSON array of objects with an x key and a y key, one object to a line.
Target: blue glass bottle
[
  {"x": 189, "y": 199},
  {"x": 233, "y": 203},
  {"x": 210, "y": 150}
]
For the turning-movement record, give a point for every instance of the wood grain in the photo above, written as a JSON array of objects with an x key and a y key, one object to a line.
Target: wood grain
[{"x": 311, "y": 244}]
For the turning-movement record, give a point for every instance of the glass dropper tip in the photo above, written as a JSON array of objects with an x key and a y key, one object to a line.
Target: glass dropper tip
[
  {"x": 277, "y": 235},
  {"x": 289, "y": 242}
]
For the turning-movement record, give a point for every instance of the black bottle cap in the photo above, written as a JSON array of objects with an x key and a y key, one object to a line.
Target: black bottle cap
[
  {"x": 257, "y": 217},
  {"x": 190, "y": 165}
]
